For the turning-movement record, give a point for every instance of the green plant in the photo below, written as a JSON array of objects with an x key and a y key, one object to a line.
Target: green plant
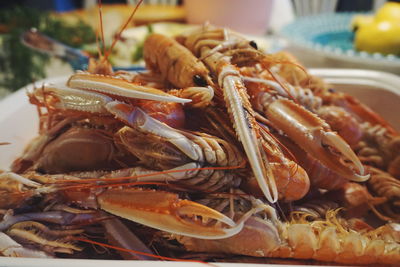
[{"x": 20, "y": 65}]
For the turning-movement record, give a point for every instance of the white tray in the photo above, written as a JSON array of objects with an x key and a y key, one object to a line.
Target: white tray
[
  {"x": 18, "y": 124},
  {"x": 27, "y": 262}
]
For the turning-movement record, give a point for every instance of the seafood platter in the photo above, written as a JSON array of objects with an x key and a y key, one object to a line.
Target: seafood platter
[{"x": 218, "y": 152}]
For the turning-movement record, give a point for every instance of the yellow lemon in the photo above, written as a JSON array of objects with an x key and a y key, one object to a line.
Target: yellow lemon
[
  {"x": 389, "y": 11},
  {"x": 382, "y": 37},
  {"x": 361, "y": 21}
]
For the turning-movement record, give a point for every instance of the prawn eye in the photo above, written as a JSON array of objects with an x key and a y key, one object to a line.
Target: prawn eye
[
  {"x": 253, "y": 44},
  {"x": 199, "y": 80}
]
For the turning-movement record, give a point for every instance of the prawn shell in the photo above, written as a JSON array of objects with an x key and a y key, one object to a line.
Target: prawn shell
[{"x": 173, "y": 61}]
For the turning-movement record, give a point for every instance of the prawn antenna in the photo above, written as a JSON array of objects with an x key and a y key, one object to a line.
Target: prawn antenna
[
  {"x": 118, "y": 36},
  {"x": 101, "y": 28},
  {"x": 139, "y": 252}
]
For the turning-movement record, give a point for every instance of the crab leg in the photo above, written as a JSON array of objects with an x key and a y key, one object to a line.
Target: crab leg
[{"x": 166, "y": 212}]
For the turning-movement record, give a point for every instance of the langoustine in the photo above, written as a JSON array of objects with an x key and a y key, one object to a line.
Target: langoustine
[{"x": 185, "y": 182}]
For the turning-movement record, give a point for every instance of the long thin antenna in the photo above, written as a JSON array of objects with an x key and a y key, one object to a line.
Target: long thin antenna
[
  {"x": 101, "y": 27},
  {"x": 117, "y": 37},
  {"x": 98, "y": 44},
  {"x": 139, "y": 252}
]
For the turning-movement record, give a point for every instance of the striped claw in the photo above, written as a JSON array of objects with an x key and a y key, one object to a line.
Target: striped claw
[
  {"x": 166, "y": 212},
  {"x": 68, "y": 98},
  {"x": 119, "y": 87},
  {"x": 231, "y": 83}
]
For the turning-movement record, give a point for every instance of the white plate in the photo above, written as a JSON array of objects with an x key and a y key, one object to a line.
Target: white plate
[
  {"x": 378, "y": 90},
  {"x": 18, "y": 124}
]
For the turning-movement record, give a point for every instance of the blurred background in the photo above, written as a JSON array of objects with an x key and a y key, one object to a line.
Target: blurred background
[{"x": 301, "y": 26}]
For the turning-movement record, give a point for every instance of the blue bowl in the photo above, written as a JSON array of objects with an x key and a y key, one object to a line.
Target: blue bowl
[
  {"x": 81, "y": 63},
  {"x": 331, "y": 35}
]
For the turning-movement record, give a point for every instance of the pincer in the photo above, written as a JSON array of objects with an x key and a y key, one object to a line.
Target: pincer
[
  {"x": 166, "y": 211},
  {"x": 315, "y": 136}
]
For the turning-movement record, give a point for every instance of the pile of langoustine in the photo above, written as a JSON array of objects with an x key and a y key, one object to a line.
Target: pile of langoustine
[{"x": 218, "y": 149}]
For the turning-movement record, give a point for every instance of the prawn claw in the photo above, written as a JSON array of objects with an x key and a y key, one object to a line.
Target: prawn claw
[
  {"x": 314, "y": 135},
  {"x": 166, "y": 212},
  {"x": 120, "y": 87}
]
